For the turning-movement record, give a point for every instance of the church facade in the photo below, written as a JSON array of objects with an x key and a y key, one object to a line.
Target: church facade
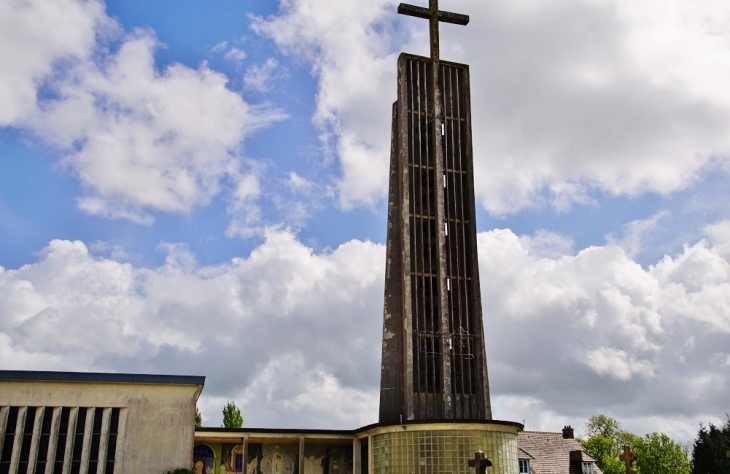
[{"x": 414, "y": 447}]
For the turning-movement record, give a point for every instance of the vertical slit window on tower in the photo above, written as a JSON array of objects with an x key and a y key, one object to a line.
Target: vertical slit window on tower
[
  {"x": 9, "y": 441},
  {"x": 43, "y": 442},
  {"x": 61, "y": 442},
  {"x": 111, "y": 449},
  {"x": 27, "y": 440},
  {"x": 95, "y": 439},
  {"x": 78, "y": 441}
]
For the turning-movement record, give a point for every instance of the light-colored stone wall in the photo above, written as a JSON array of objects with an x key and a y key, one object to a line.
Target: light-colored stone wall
[{"x": 157, "y": 423}]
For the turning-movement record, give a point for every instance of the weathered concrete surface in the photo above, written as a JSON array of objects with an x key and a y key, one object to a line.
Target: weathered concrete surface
[
  {"x": 434, "y": 361},
  {"x": 157, "y": 421}
]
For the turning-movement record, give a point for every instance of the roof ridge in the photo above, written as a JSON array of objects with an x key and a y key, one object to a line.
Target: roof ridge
[{"x": 544, "y": 432}]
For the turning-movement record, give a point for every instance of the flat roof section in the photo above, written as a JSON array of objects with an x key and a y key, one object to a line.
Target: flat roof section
[{"x": 49, "y": 376}]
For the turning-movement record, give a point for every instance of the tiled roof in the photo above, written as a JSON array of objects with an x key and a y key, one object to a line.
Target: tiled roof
[{"x": 549, "y": 453}]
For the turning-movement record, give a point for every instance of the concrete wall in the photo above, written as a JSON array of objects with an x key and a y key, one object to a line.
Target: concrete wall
[{"x": 157, "y": 421}]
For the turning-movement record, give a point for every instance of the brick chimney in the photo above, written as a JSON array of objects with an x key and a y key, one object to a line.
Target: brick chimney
[{"x": 568, "y": 433}]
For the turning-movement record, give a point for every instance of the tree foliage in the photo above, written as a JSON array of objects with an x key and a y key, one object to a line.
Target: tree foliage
[
  {"x": 604, "y": 451},
  {"x": 604, "y": 426},
  {"x": 198, "y": 418},
  {"x": 605, "y": 441},
  {"x": 232, "y": 416},
  {"x": 657, "y": 453},
  {"x": 711, "y": 449}
]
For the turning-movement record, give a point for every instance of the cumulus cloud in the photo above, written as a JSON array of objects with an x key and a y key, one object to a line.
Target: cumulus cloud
[
  {"x": 284, "y": 330},
  {"x": 593, "y": 95},
  {"x": 36, "y": 35},
  {"x": 348, "y": 45},
  {"x": 294, "y": 335},
  {"x": 139, "y": 139},
  {"x": 547, "y": 244},
  {"x": 595, "y": 332},
  {"x": 569, "y": 98}
]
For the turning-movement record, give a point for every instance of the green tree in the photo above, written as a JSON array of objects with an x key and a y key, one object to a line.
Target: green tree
[
  {"x": 711, "y": 449},
  {"x": 604, "y": 451},
  {"x": 198, "y": 418},
  {"x": 657, "y": 453},
  {"x": 603, "y": 425},
  {"x": 232, "y": 416},
  {"x": 605, "y": 441}
]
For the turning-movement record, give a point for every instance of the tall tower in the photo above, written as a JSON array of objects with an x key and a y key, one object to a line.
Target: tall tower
[{"x": 434, "y": 364}]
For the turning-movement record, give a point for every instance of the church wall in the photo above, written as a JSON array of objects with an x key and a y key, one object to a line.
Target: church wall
[
  {"x": 155, "y": 421},
  {"x": 443, "y": 448},
  {"x": 223, "y": 453}
]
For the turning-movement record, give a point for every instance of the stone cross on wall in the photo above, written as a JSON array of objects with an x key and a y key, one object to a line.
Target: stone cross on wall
[
  {"x": 434, "y": 15},
  {"x": 628, "y": 458},
  {"x": 480, "y": 463}
]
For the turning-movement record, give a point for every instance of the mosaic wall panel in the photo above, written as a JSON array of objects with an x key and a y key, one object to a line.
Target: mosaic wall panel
[
  {"x": 327, "y": 459},
  {"x": 442, "y": 452},
  {"x": 217, "y": 458}
]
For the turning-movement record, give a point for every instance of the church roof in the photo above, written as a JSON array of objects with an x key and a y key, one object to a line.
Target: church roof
[{"x": 48, "y": 376}]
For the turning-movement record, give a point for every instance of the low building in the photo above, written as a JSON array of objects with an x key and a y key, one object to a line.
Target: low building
[
  {"x": 553, "y": 453},
  {"x": 412, "y": 447},
  {"x": 70, "y": 422}
]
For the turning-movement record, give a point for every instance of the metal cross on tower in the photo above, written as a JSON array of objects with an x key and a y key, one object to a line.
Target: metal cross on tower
[{"x": 434, "y": 15}]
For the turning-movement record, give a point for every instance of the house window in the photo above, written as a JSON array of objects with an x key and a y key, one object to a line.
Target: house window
[
  {"x": 525, "y": 466},
  {"x": 587, "y": 468}
]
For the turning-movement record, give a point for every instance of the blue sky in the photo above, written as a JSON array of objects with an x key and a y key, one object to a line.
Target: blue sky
[{"x": 202, "y": 189}]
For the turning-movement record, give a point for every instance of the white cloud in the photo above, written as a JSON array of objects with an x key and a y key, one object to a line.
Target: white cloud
[
  {"x": 595, "y": 332},
  {"x": 719, "y": 235},
  {"x": 139, "y": 139},
  {"x": 310, "y": 321},
  {"x": 616, "y": 363},
  {"x": 36, "y": 35},
  {"x": 547, "y": 244},
  {"x": 235, "y": 56},
  {"x": 568, "y": 336},
  {"x": 259, "y": 77},
  {"x": 588, "y": 106},
  {"x": 348, "y": 46},
  {"x": 220, "y": 47},
  {"x": 635, "y": 232},
  {"x": 246, "y": 214},
  {"x": 569, "y": 98}
]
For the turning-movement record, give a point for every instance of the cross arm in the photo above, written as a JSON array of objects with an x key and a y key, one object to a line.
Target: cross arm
[{"x": 420, "y": 12}]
